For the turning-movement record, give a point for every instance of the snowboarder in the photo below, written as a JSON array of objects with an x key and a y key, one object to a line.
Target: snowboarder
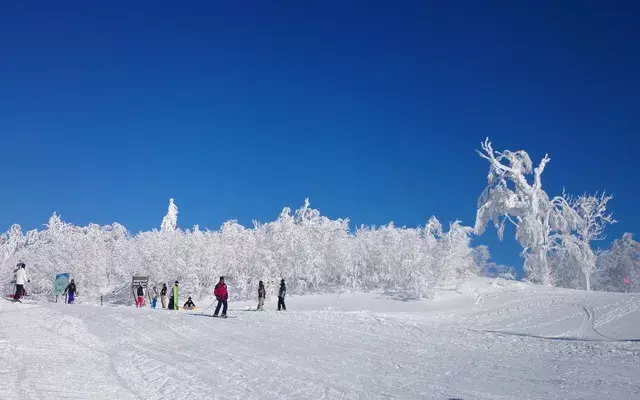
[
  {"x": 189, "y": 305},
  {"x": 163, "y": 296},
  {"x": 222, "y": 295},
  {"x": 174, "y": 296},
  {"x": 281, "y": 294},
  {"x": 262, "y": 295},
  {"x": 70, "y": 291},
  {"x": 154, "y": 299},
  {"x": 21, "y": 278},
  {"x": 140, "y": 300}
]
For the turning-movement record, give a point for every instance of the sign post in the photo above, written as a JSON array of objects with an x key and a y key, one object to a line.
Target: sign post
[{"x": 60, "y": 284}]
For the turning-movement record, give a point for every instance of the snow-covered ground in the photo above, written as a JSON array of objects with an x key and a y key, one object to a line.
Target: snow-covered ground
[{"x": 510, "y": 341}]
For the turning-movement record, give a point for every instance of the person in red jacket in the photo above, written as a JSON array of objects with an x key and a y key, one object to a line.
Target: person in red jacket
[{"x": 222, "y": 295}]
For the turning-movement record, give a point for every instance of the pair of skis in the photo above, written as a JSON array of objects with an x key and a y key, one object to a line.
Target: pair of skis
[{"x": 9, "y": 299}]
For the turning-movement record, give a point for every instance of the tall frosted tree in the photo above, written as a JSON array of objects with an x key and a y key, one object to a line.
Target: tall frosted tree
[
  {"x": 170, "y": 221},
  {"x": 514, "y": 195}
]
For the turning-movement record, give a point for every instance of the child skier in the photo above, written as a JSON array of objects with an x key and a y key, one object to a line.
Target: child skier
[
  {"x": 222, "y": 295},
  {"x": 70, "y": 291},
  {"x": 174, "y": 296},
  {"x": 154, "y": 299},
  {"x": 21, "y": 278},
  {"x": 163, "y": 296},
  {"x": 189, "y": 305},
  {"x": 262, "y": 295},
  {"x": 281, "y": 293},
  {"x": 140, "y": 297}
]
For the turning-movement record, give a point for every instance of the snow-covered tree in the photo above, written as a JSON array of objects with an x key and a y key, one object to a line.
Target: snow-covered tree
[
  {"x": 510, "y": 197},
  {"x": 619, "y": 263},
  {"x": 593, "y": 218},
  {"x": 170, "y": 221}
]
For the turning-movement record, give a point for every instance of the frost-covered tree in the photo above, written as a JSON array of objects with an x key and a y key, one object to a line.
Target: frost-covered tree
[
  {"x": 593, "y": 218},
  {"x": 620, "y": 262},
  {"x": 514, "y": 195},
  {"x": 10, "y": 242},
  {"x": 170, "y": 221}
]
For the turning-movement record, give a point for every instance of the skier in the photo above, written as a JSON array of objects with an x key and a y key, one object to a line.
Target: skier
[
  {"x": 174, "y": 296},
  {"x": 262, "y": 294},
  {"x": 222, "y": 295},
  {"x": 163, "y": 295},
  {"x": 189, "y": 305},
  {"x": 281, "y": 293},
  {"x": 154, "y": 299},
  {"x": 21, "y": 278},
  {"x": 70, "y": 290},
  {"x": 140, "y": 297}
]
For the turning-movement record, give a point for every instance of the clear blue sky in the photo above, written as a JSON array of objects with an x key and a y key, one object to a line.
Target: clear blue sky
[{"x": 371, "y": 109}]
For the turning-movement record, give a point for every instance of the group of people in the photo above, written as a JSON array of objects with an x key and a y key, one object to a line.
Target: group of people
[
  {"x": 221, "y": 293},
  {"x": 262, "y": 295},
  {"x": 173, "y": 299}
]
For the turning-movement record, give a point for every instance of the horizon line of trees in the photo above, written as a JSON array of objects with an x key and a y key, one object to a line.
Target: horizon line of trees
[{"x": 311, "y": 251}]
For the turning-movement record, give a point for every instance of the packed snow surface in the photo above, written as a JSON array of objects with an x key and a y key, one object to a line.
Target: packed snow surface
[{"x": 484, "y": 341}]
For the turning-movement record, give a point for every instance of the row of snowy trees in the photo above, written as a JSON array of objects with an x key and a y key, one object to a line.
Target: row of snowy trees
[
  {"x": 314, "y": 252},
  {"x": 556, "y": 233},
  {"x": 311, "y": 251}
]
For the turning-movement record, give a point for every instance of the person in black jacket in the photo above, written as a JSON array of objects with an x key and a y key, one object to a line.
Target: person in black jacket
[
  {"x": 140, "y": 301},
  {"x": 281, "y": 294},
  {"x": 163, "y": 296},
  {"x": 262, "y": 295},
  {"x": 70, "y": 291},
  {"x": 189, "y": 305}
]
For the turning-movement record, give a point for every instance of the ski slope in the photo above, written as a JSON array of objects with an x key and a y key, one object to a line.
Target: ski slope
[{"x": 487, "y": 341}]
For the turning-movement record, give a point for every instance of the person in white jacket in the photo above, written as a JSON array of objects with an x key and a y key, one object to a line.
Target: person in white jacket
[{"x": 21, "y": 279}]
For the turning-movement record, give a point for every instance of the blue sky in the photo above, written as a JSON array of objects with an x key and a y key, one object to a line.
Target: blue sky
[{"x": 371, "y": 109}]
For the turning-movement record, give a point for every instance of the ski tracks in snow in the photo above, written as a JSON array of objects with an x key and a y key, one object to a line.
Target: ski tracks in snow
[
  {"x": 49, "y": 356},
  {"x": 91, "y": 352}
]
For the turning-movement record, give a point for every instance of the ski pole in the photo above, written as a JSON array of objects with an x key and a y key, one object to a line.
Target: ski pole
[{"x": 207, "y": 308}]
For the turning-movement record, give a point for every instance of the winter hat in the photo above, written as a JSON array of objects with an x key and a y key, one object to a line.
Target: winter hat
[
  {"x": 222, "y": 278},
  {"x": 176, "y": 282}
]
